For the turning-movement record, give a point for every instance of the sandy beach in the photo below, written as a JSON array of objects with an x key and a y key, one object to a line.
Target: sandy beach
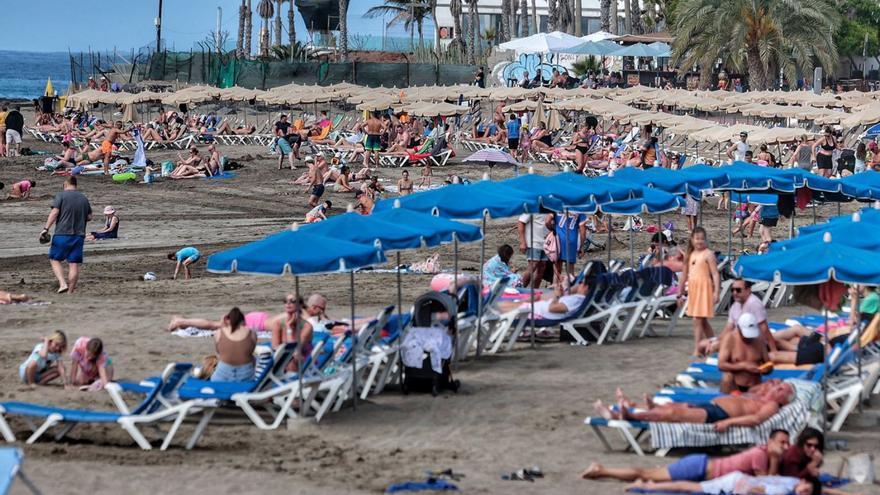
[{"x": 515, "y": 410}]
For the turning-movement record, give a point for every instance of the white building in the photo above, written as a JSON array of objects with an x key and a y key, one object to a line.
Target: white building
[{"x": 490, "y": 15}]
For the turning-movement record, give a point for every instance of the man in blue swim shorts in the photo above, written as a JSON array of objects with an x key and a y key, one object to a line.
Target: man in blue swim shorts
[
  {"x": 184, "y": 258},
  {"x": 70, "y": 213}
]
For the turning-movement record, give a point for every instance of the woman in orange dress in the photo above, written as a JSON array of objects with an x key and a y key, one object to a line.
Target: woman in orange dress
[{"x": 703, "y": 285}]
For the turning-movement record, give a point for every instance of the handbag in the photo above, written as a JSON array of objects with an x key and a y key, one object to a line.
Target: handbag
[{"x": 551, "y": 247}]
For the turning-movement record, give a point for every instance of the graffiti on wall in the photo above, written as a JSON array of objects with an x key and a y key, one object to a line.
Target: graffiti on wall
[{"x": 528, "y": 62}]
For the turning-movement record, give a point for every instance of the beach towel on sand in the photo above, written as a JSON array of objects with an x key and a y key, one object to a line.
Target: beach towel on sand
[
  {"x": 189, "y": 332},
  {"x": 430, "y": 484}
]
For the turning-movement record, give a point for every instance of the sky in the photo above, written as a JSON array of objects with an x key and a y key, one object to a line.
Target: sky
[{"x": 103, "y": 25}]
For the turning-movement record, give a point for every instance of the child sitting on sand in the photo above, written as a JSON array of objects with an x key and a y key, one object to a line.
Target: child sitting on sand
[
  {"x": 184, "y": 257},
  {"x": 21, "y": 190},
  {"x": 318, "y": 213},
  {"x": 44, "y": 363},
  {"x": 91, "y": 368}
]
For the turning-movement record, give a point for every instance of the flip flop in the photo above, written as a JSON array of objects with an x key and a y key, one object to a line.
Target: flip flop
[{"x": 62, "y": 290}]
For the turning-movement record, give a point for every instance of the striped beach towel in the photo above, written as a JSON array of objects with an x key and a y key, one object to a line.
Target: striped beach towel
[{"x": 792, "y": 418}]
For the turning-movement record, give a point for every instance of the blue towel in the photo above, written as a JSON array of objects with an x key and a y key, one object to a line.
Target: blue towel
[
  {"x": 223, "y": 175},
  {"x": 420, "y": 486},
  {"x": 832, "y": 481}
]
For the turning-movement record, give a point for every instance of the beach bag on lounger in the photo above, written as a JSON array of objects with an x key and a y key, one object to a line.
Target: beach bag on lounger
[
  {"x": 859, "y": 468},
  {"x": 551, "y": 247}
]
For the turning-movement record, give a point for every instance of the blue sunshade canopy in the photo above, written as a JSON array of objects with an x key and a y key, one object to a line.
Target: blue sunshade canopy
[
  {"x": 866, "y": 216},
  {"x": 392, "y": 234},
  {"x": 862, "y": 235},
  {"x": 295, "y": 252},
  {"x": 812, "y": 264},
  {"x": 754, "y": 198},
  {"x": 467, "y": 201}
]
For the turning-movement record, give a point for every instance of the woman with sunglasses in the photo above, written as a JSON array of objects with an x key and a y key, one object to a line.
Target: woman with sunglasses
[
  {"x": 804, "y": 458},
  {"x": 292, "y": 326}
]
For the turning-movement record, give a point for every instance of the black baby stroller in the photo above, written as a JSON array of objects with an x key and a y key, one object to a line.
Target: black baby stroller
[{"x": 426, "y": 340}]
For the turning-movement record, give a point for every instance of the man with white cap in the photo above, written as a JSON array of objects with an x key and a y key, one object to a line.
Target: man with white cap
[{"x": 743, "y": 356}]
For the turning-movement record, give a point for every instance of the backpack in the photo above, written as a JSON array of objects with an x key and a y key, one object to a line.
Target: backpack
[{"x": 551, "y": 247}]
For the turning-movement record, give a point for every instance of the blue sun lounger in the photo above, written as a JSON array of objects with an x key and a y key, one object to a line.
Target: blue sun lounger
[
  {"x": 10, "y": 468},
  {"x": 149, "y": 412}
]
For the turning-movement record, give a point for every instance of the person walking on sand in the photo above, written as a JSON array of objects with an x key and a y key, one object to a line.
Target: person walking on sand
[
  {"x": 373, "y": 144},
  {"x": 70, "y": 213},
  {"x": 14, "y": 123},
  {"x": 109, "y": 141},
  {"x": 703, "y": 286}
]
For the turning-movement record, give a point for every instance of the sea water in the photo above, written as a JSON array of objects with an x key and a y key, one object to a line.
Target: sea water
[{"x": 23, "y": 75}]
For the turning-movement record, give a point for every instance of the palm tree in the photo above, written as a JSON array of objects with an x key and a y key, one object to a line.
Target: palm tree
[
  {"x": 759, "y": 36},
  {"x": 291, "y": 28},
  {"x": 578, "y": 12},
  {"x": 534, "y": 18},
  {"x": 615, "y": 21},
  {"x": 505, "y": 20},
  {"x": 461, "y": 38},
  {"x": 343, "y": 29},
  {"x": 248, "y": 29},
  {"x": 565, "y": 20},
  {"x": 278, "y": 23},
  {"x": 474, "y": 43},
  {"x": 403, "y": 12},
  {"x": 605, "y": 15},
  {"x": 638, "y": 27},
  {"x": 523, "y": 18},
  {"x": 242, "y": 19},
  {"x": 552, "y": 16},
  {"x": 627, "y": 17},
  {"x": 266, "y": 11}
]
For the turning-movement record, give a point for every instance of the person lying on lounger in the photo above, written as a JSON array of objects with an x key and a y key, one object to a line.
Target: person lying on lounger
[
  {"x": 723, "y": 412},
  {"x": 737, "y": 483},
  {"x": 761, "y": 460},
  {"x": 559, "y": 307}
]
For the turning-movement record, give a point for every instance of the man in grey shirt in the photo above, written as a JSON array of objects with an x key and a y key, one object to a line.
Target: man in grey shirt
[{"x": 70, "y": 213}]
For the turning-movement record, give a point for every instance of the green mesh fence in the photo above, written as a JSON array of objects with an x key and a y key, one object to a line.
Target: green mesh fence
[{"x": 223, "y": 71}]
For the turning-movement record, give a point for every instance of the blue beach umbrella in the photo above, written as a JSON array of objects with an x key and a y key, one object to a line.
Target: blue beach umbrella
[
  {"x": 636, "y": 50},
  {"x": 573, "y": 189},
  {"x": 859, "y": 234},
  {"x": 813, "y": 263},
  {"x": 467, "y": 201},
  {"x": 867, "y": 184},
  {"x": 869, "y": 215},
  {"x": 600, "y": 48},
  {"x": 295, "y": 252},
  {"x": 690, "y": 180},
  {"x": 748, "y": 177},
  {"x": 754, "y": 198},
  {"x": 872, "y": 132},
  {"x": 653, "y": 201}
]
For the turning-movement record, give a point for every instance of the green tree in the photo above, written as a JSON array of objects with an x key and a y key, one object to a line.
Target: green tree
[
  {"x": 343, "y": 30},
  {"x": 403, "y": 12},
  {"x": 763, "y": 37},
  {"x": 861, "y": 21}
]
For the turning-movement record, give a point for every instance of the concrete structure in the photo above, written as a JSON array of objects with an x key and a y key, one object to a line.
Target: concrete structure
[{"x": 490, "y": 15}]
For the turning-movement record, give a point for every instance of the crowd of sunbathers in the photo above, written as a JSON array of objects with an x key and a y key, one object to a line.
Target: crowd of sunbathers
[{"x": 589, "y": 147}]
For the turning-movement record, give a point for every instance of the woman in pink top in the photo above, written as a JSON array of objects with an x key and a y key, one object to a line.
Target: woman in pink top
[
  {"x": 91, "y": 368},
  {"x": 255, "y": 320},
  {"x": 21, "y": 190}
]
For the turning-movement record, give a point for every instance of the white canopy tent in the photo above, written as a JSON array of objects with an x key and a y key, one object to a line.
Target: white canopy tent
[{"x": 554, "y": 42}]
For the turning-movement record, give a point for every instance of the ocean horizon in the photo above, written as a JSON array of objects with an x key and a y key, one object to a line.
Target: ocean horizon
[{"x": 23, "y": 75}]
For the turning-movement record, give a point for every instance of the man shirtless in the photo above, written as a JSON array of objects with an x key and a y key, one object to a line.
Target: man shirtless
[
  {"x": 110, "y": 137},
  {"x": 373, "y": 145},
  {"x": 742, "y": 356},
  {"x": 723, "y": 412}
]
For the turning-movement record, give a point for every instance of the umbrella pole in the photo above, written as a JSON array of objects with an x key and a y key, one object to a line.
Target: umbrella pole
[
  {"x": 608, "y": 245},
  {"x": 480, "y": 300},
  {"x": 701, "y": 207},
  {"x": 729, "y": 234},
  {"x": 791, "y": 225},
  {"x": 354, "y": 345},
  {"x": 854, "y": 308},
  {"x": 815, "y": 207},
  {"x": 532, "y": 285},
  {"x": 400, "y": 325},
  {"x": 825, "y": 372},
  {"x": 299, "y": 348},
  {"x": 455, "y": 294},
  {"x": 632, "y": 254}
]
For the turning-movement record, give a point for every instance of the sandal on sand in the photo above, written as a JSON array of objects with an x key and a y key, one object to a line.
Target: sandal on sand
[
  {"x": 62, "y": 290},
  {"x": 521, "y": 475}
]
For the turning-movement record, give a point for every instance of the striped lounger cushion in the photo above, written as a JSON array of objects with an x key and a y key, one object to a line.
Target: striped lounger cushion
[{"x": 792, "y": 418}]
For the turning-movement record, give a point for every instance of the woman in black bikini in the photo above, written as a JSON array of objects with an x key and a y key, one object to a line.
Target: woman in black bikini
[
  {"x": 823, "y": 150},
  {"x": 581, "y": 142}
]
